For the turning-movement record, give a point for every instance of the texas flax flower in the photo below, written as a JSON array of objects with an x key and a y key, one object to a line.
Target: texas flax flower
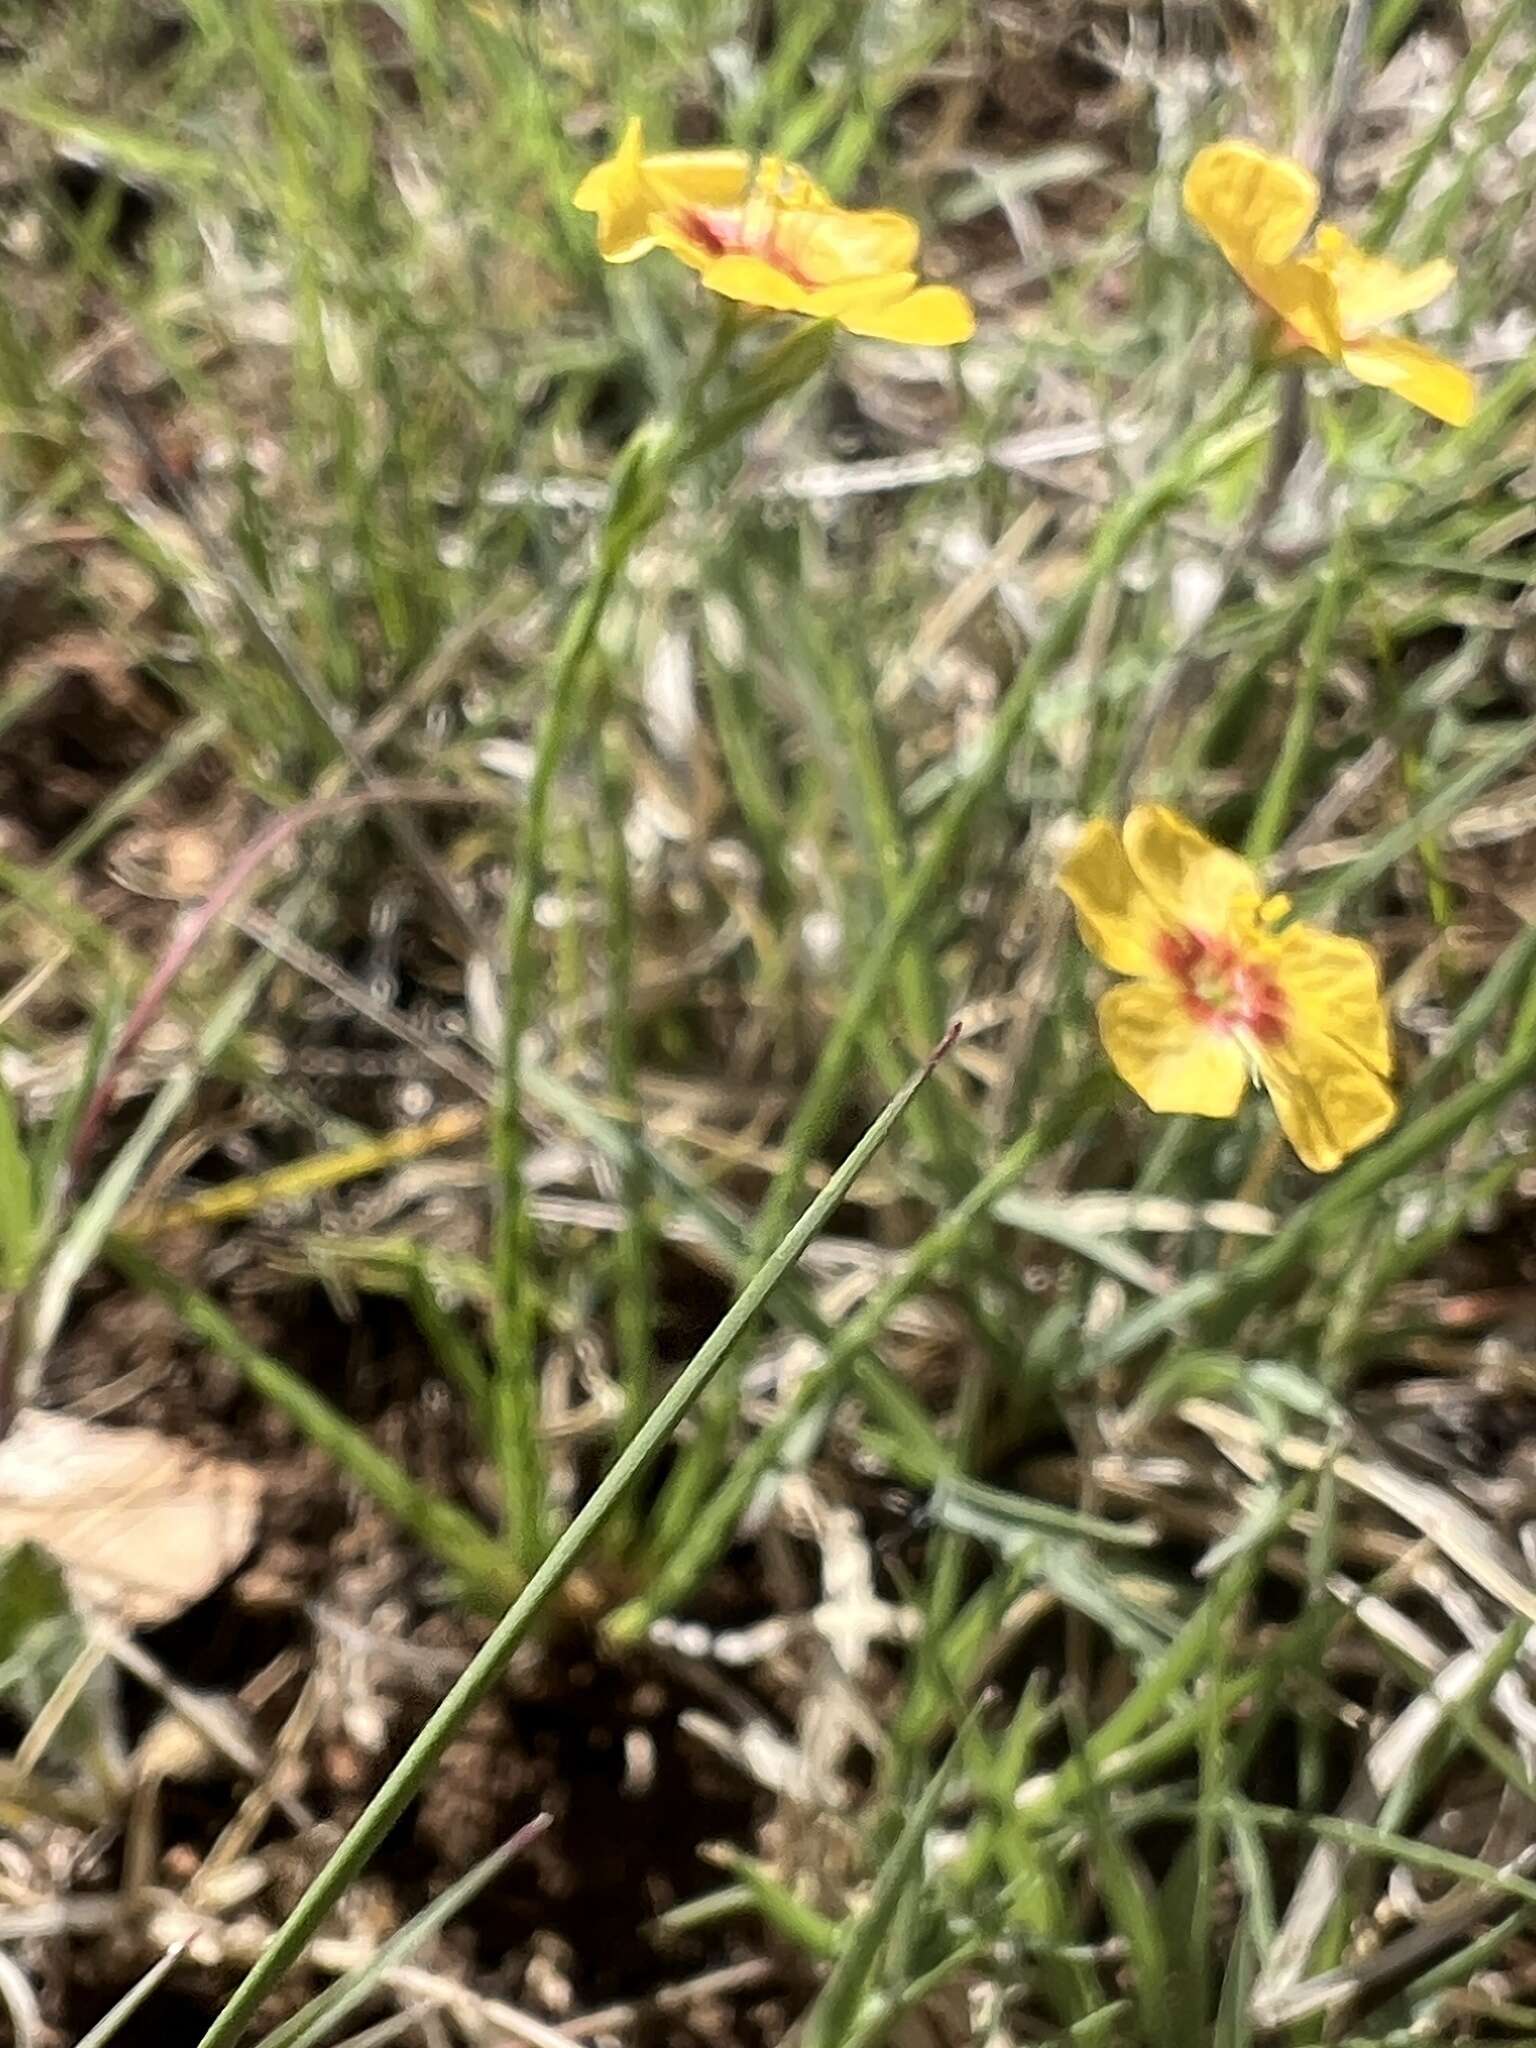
[
  {"x": 767, "y": 235},
  {"x": 1333, "y": 297},
  {"x": 1223, "y": 991}
]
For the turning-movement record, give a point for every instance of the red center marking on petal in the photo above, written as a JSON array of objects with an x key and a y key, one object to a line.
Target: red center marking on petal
[
  {"x": 1221, "y": 990},
  {"x": 741, "y": 231}
]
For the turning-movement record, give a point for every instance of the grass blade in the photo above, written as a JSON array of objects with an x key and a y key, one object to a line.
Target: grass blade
[
  {"x": 833, "y": 2019},
  {"x": 456, "y": 1538},
  {"x": 111, "y": 2024},
  {"x": 321, "y": 2017},
  {"x": 403, "y": 1782}
]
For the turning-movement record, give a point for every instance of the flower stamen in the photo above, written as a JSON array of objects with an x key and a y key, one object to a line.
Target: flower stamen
[
  {"x": 1222, "y": 990},
  {"x": 750, "y": 230},
  {"x": 767, "y": 235}
]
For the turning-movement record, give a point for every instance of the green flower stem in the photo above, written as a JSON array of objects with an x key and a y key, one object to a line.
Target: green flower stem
[
  {"x": 357, "y": 1848},
  {"x": 880, "y": 816},
  {"x": 514, "y": 1307},
  {"x": 1117, "y": 536},
  {"x": 651, "y": 461},
  {"x": 634, "y": 1248},
  {"x": 1279, "y": 792}
]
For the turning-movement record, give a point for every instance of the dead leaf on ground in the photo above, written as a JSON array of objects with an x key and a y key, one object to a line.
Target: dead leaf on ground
[{"x": 142, "y": 1526}]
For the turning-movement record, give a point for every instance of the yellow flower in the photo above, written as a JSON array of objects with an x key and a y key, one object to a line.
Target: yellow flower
[
  {"x": 768, "y": 236},
  {"x": 1220, "y": 994},
  {"x": 1257, "y": 208}
]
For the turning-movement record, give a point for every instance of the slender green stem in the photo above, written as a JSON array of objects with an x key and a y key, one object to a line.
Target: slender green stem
[
  {"x": 651, "y": 461},
  {"x": 410, "y": 1773},
  {"x": 833, "y": 2020},
  {"x": 514, "y": 1311},
  {"x": 321, "y": 2019},
  {"x": 1367, "y": 1840},
  {"x": 458, "y": 1355},
  {"x": 1163, "y": 693},
  {"x": 111, "y": 2024},
  {"x": 642, "y": 477},
  {"x": 633, "y": 1305},
  {"x": 1279, "y": 793},
  {"x": 1118, "y": 534},
  {"x": 937, "y": 1680},
  {"x": 1513, "y": 973}
]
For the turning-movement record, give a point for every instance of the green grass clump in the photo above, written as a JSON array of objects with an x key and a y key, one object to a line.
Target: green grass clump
[{"x": 657, "y": 730}]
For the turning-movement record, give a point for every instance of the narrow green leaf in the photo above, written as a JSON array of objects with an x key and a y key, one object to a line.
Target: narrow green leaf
[
  {"x": 1010, "y": 1521},
  {"x": 834, "y": 2016},
  {"x": 400, "y": 1787},
  {"x": 129, "y": 149},
  {"x": 111, "y": 2024},
  {"x": 456, "y": 1538},
  {"x": 320, "y": 2018},
  {"x": 813, "y": 1933},
  {"x": 18, "y": 1217}
]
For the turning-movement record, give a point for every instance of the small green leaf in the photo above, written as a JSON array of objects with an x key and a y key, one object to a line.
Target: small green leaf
[
  {"x": 835, "y": 2013},
  {"x": 808, "y": 1930},
  {"x": 40, "y": 1635},
  {"x": 18, "y": 1212},
  {"x": 1010, "y": 1521},
  {"x": 127, "y": 149}
]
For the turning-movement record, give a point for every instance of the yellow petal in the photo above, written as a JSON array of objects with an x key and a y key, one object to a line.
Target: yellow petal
[
  {"x": 1441, "y": 388},
  {"x": 1255, "y": 207},
  {"x": 1114, "y": 913},
  {"x": 700, "y": 177},
  {"x": 1192, "y": 882},
  {"x": 1372, "y": 289},
  {"x": 861, "y": 301},
  {"x": 665, "y": 234},
  {"x": 1333, "y": 985},
  {"x": 933, "y": 316},
  {"x": 751, "y": 281},
  {"x": 830, "y": 245},
  {"x": 593, "y": 190},
  {"x": 1175, "y": 1066},
  {"x": 1328, "y": 1101},
  {"x": 1305, "y": 300},
  {"x": 631, "y": 190},
  {"x": 618, "y": 194}
]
